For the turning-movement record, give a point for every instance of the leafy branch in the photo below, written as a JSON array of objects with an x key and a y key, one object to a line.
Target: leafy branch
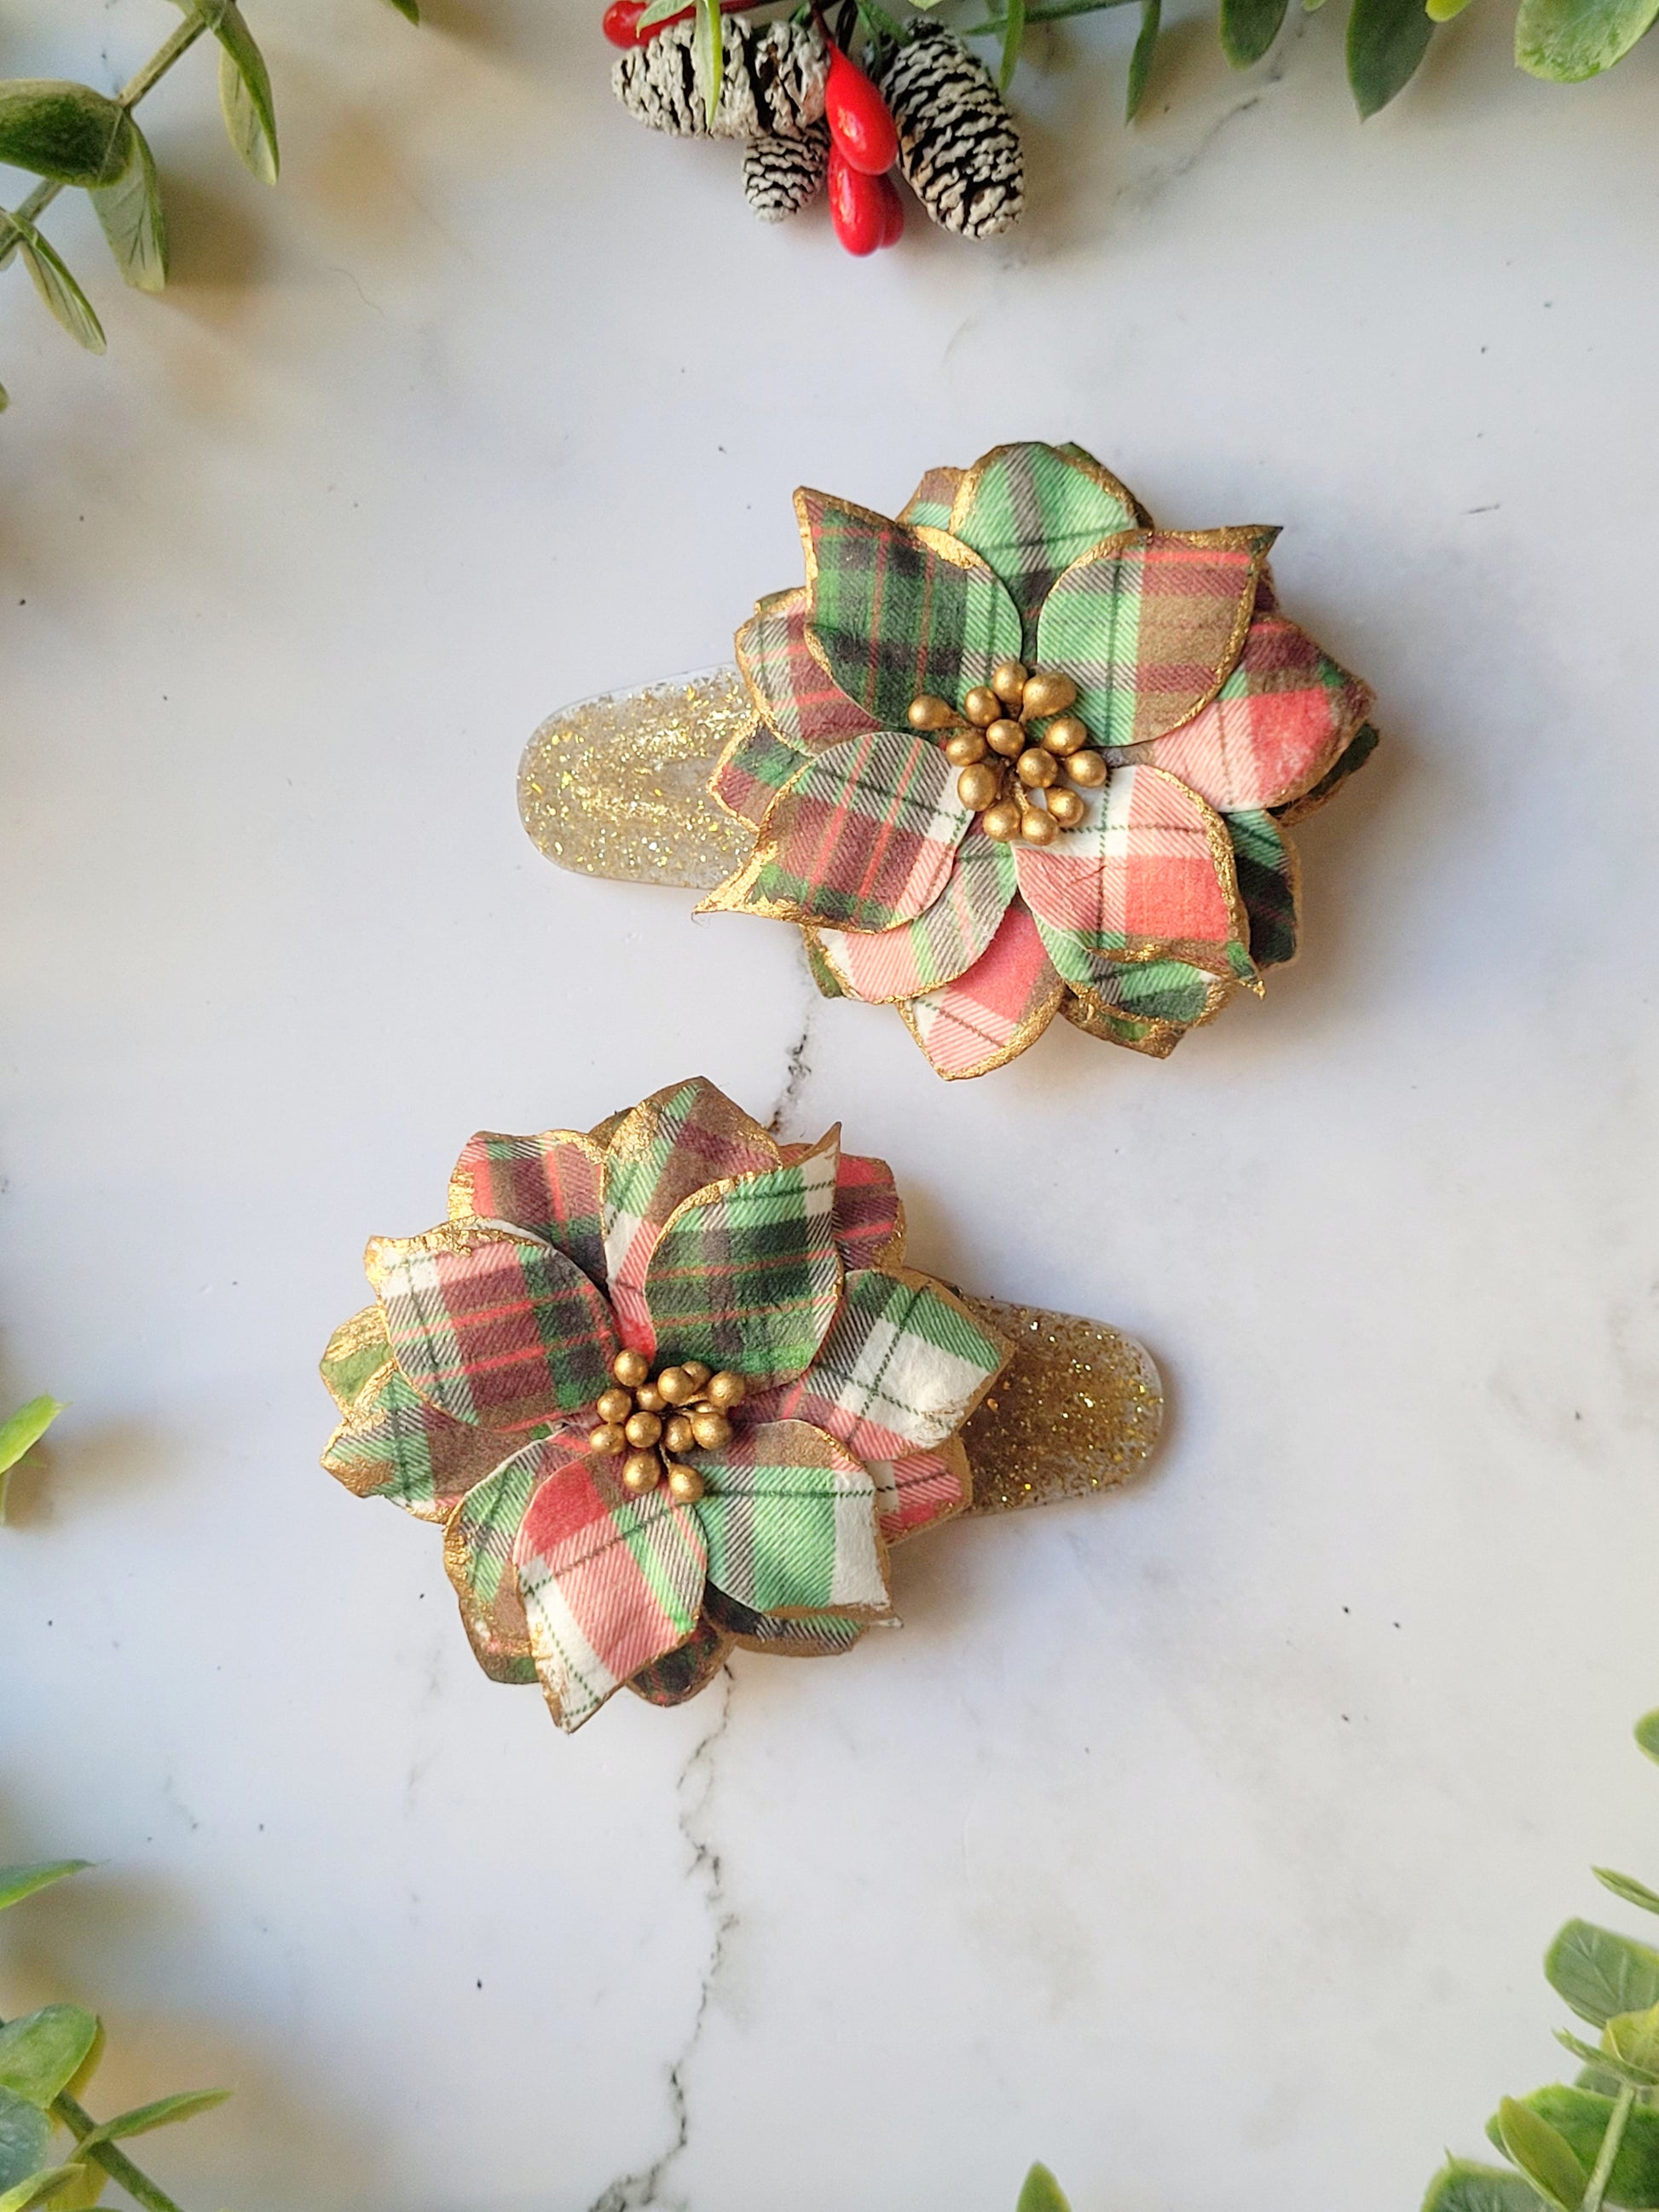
[{"x": 74, "y": 138}]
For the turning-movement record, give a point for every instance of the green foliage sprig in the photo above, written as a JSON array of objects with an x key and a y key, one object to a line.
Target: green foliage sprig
[
  {"x": 74, "y": 138},
  {"x": 45, "y": 2059},
  {"x": 20, "y": 1435},
  {"x": 1597, "y": 2143}
]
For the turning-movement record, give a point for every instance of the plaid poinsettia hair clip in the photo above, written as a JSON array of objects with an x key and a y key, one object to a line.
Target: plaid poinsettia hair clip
[
  {"x": 1016, "y": 753},
  {"x": 671, "y": 1387}
]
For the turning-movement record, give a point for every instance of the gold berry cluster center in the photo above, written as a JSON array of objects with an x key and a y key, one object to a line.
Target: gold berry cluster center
[
  {"x": 656, "y": 1418},
  {"x": 1011, "y": 772}
]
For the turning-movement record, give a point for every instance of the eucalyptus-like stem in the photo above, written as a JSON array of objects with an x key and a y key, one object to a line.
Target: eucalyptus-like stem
[
  {"x": 1602, "y": 2172},
  {"x": 115, "y": 2163}
]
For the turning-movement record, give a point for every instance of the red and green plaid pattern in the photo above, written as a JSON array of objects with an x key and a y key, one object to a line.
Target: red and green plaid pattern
[
  {"x": 1168, "y": 991},
  {"x": 1032, "y": 510},
  {"x": 864, "y": 838},
  {"x": 869, "y": 1219},
  {"x": 791, "y": 688},
  {"x": 889, "y": 964},
  {"x": 505, "y": 1334},
  {"x": 478, "y": 1556},
  {"x": 747, "y": 1275},
  {"x": 1149, "y": 872},
  {"x": 392, "y": 1444},
  {"x": 914, "y": 1492},
  {"x": 1001, "y": 1005},
  {"x": 789, "y": 1519},
  {"x": 609, "y": 1583},
  {"x": 930, "y": 504},
  {"x": 751, "y": 774},
  {"x": 1150, "y": 627},
  {"x": 547, "y": 1184},
  {"x": 674, "y": 1144},
  {"x": 899, "y": 1371},
  {"x": 894, "y": 615},
  {"x": 1268, "y": 884},
  {"x": 679, "y": 1674},
  {"x": 1272, "y": 730},
  {"x": 814, "y": 1636},
  {"x": 1354, "y": 755}
]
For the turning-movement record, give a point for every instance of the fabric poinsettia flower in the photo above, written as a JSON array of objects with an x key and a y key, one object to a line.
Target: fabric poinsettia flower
[
  {"x": 670, "y": 1387},
  {"x": 1019, "y": 753}
]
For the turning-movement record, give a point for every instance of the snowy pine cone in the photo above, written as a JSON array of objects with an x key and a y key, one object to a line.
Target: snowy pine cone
[
  {"x": 781, "y": 175},
  {"x": 958, "y": 150},
  {"x": 771, "y": 82}
]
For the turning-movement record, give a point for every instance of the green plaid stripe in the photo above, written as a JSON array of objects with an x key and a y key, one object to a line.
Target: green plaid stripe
[
  {"x": 1267, "y": 883},
  {"x": 893, "y": 617},
  {"x": 1149, "y": 631},
  {"x": 751, "y": 774},
  {"x": 547, "y": 1184},
  {"x": 788, "y": 685},
  {"x": 790, "y": 1521},
  {"x": 818, "y": 1636},
  {"x": 930, "y": 504},
  {"x": 1031, "y": 510},
  {"x": 747, "y": 1276},
  {"x": 887, "y": 965},
  {"x": 1158, "y": 991},
  {"x": 478, "y": 1559},
  {"x": 899, "y": 1370},
  {"x": 392, "y": 1445}
]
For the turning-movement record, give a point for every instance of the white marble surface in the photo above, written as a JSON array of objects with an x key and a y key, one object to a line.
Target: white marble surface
[{"x": 1203, "y": 1842}]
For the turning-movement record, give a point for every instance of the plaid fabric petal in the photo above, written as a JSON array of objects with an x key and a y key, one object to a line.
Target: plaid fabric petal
[
  {"x": 913, "y": 1493},
  {"x": 355, "y": 1355},
  {"x": 864, "y": 838},
  {"x": 609, "y": 1583},
  {"x": 989, "y": 1015},
  {"x": 929, "y": 505},
  {"x": 1149, "y": 624},
  {"x": 679, "y": 1674},
  {"x": 1032, "y": 510},
  {"x": 677, "y": 1142},
  {"x": 746, "y": 1275},
  {"x": 889, "y": 964},
  {"x": 825, "y": 981},
  {"x": 751, "y": 772},
  {"x": 547, "y": 1184},
  {"x": 392, "y": 1444},
  {"x": 492, "y": 1328},
  {"x": 1150, "y": 873},
  {"x": 1269, "y": 883},
  {"x": 1355, "y": 755},
  {"x": 869, "y": 1219},
  {"x": 789, "y": 1517},
  {"x": 791, "y": 688},
  {"x": 1089, "y": 1011},
  {"x": 1274, "y": 728},
  {"x": 806, "y": 1635},
  {"x": 479, "y": 1557},
  {"x": 900, "y": 1370},
  {"x": 896, "y": 610}
]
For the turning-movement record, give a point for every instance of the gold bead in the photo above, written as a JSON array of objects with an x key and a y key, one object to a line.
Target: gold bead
[
  {"x": 676, "y": 1385},
  {"x": 679, "y": 1435},
  {"x": 630, "y": 1369},
  {"x": 1001, "y": 821},
  {"x": 929, "y": 713},
  {"x": 713, "y": 1431},
  {"x": 648, "y": 1398},
  {"x": 686, "y": 1484},
  {"x": 615, "y": 1404},
  {"x": 1065, "y": 734},
  {"x": 698, "y": 1369},
  {"x": 641, "y": 1471},
  {"x": 727, "y": 1389},
  {"x": 966, "y": 747},
  {"x": 1068, "y": 809},
  {"x": 1008, "y": 681},
  {"x": 1007, "y": 738},
  {"x": 608, "y": 1439},
  {"x": 1046, "y": 694},
  {"x": 1037, "y": 828},
  {"x": 982, "y": 706},
  {"x": 977, "y": 786},
  {"x": 1088, "y": 769},
  {"x": 642, "y": 1429},
  {"x": 1037, "y": 770}
]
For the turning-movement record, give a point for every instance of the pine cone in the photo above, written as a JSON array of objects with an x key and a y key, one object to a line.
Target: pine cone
[
  {"x": 771, "y": 83},
  {"x": 781, "y": 175},
  {"x": 958, "y": 150}
]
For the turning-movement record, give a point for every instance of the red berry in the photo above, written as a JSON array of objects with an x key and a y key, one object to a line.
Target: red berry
[
  {"x": 858, "y": 118},
  {"x": 893, "y": 208},
  {"x": 622, "y": 21},
  {"x": 858, "y": 205}
]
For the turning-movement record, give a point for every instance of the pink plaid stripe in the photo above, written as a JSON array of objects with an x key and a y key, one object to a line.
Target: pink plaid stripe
[
  {"x": 1152, "y": 868},
  {"x": 868, "y": 1218},
  {"x": 1004, "y": 1003},
  {"x": 913, "y": 1493},
  {"x": 884, "y": 965},
  {"x": 548, "y": 1183},
  {"x": 791, "y": 688}
]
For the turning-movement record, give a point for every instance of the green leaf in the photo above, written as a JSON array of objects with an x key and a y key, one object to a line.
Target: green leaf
[
  {"x": 408, "y": 8},
  {"x": 1646, "y": 1732},
  {"x": 1249, "y": 27},
  {"x": 1442, "y": 11},
  {"x": 25, "y": 1429},
  {"x": 67, "y": 133},
  {"x": 18, "y": 1882},
  {"x": 1600, "y": 2068},
  {"x": 1600, "y": 1974},
  {"x": 1141, "y": 61},
  {"x": 41, "y": 2054},
  {"x": 161, "y": 2114},
  {"x": 1543, "y": 2154},
  {"x": 244, "y": 85},
  {"x": 658, "y": 12},
  {"x": 1581, "y": 2116},
  {"x": 1628, "y": 1886},
  {"x": 24, "y": 2135},
  {"x": 1633, "y": 2037},
  {"x": 38, "y": 2188},
  {"x": 1567, "y": 40},
  {"x": 1041, "y": 2192},
  {"x": 710, "y": 43},
  {"x": 131, "y": 212},
  {"x": 82, "y": 2194},
  {"x": 1013, "y": 37},
  {"x": 52, "y": 281},
  {"x": 1387, "y": 39},
  {"x": 1462, "y": 2187}
]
